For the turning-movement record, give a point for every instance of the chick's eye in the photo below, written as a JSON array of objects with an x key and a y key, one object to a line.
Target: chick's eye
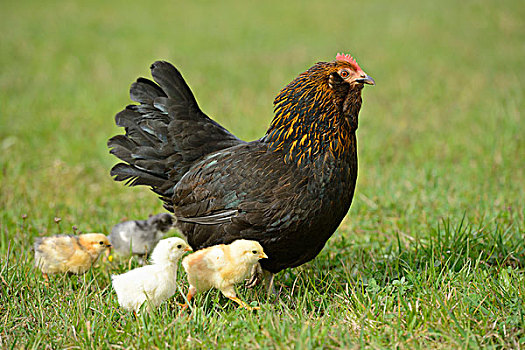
[
  {"x": 101, "y": 243},
  {"x": 254, "y": 251},
  {"x": 344, "y": 74},
  {"x": 179, "y": 246}
]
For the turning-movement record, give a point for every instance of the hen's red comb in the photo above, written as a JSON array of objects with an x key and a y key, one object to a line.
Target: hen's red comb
[{"x": 349, "y": 59}]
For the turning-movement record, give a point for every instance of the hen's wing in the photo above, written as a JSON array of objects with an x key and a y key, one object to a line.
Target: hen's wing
[{"x": 248, "y": 192}]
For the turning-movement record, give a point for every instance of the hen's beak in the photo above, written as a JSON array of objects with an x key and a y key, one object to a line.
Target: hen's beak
[
  {"x": 365, "y": 79},
  {"x": 263, "y": 256}
]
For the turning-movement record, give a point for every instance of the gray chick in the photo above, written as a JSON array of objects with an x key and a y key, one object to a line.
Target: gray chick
[{"x": 141, "y": 235}]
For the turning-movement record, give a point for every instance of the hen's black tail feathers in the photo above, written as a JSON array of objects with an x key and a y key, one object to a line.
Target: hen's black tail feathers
[{"x": 165, "y": 134}]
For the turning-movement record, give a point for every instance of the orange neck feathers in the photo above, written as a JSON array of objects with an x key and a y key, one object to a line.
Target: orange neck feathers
[{"x": 312, "y": 119}]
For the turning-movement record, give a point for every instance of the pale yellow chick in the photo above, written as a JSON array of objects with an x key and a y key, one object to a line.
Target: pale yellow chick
[
  {"x": 155, "y": 282},
  {"x": 68, "y": 254},
  {"x": 221, "y": 267}
]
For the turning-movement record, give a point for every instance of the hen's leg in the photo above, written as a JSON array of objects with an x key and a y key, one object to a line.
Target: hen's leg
[
  {"x": 191, "y": 292},
  {"x": 268, "y": 282},
  {"x": 256, "y": 276}
]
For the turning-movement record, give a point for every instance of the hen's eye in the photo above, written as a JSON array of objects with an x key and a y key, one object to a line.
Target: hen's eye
[
  {"x": 179, "y": 246},
  {"x": 254, "y": 251},
  {"x": 344, "y": 74}
]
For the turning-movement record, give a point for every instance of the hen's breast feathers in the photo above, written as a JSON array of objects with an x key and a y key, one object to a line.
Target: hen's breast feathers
[{"x": 249, "y": 192}]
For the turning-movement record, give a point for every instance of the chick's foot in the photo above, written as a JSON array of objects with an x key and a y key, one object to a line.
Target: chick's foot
[{"x": 243, "y": 304}]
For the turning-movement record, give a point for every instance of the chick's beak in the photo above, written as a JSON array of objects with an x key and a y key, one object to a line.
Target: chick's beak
[
  {"x": 263, "y": 256},
  {"x": 365, "y": 79},
  {"x": 188, "y": 249},
  {"x": 108, "y": 245}
]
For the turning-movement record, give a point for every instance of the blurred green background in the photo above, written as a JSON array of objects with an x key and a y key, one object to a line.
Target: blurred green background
[{"x": 440, "y": 135}]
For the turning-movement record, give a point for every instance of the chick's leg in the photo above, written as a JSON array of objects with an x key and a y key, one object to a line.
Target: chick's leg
[
  {"x": 191, "y": 292},
  {"x": 46, "y": 279},
  {"x": 243, "y": 304},
  {"x": 229, "y": 293}
]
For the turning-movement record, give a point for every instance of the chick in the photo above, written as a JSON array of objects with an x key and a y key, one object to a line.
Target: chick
[
  {"x": 141, "y": 235},
  {"x": 222, "y": 266},
  {"x": 155, "y": 282},
  {"x": 67, "y": 253}
]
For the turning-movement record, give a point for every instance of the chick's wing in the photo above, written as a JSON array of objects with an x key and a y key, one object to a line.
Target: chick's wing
[{"x": 58, "y": 250}]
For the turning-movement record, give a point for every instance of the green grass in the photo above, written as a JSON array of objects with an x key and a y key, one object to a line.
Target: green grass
[{"x": 431, "y": 254}]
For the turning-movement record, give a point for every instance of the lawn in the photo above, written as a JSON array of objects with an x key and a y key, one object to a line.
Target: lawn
[{"x": 431, "y": 254}]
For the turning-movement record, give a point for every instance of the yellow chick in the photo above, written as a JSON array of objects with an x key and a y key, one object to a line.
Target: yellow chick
[
  {"x": 155, "y": 282},
  {"x": 221, "y": 267},
  {"x": 68, "y": 254}
]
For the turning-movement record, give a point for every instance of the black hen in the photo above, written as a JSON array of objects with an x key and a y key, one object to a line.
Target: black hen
[{"x": 288, "y": 190}]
